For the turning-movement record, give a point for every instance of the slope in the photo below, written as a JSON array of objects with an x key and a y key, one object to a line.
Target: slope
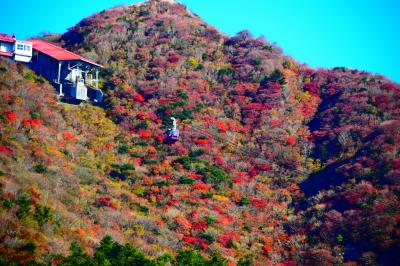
[
  {"x": 255, "y": 125},
  {"x": 55, "y": 160},
  {"x": 255, "y": 98},
  {"x": 227, "y": 92}
]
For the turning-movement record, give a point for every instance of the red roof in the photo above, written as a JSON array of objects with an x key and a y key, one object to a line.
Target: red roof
[
  {"x": 6, "y": 53},
  {"x": 7, "y": 37},
  {"x": 57, "y": 52}
]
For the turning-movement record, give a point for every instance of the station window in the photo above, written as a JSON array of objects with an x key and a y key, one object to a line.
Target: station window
[
  {"x": 27, "y": 48},
  {"x": 20, "y": 47}
]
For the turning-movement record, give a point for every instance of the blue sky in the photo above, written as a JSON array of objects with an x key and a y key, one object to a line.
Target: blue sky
[{"x": 362, "y": 34}]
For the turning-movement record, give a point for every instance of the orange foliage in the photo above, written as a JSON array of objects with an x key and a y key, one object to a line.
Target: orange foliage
[
  {"x": 190, "y": 239},
  {"x": 224, "y": 219},
  {"x": 80, "y": 233},
  {"x": 226, "y": 238},
  {"x": 258, "y": 203},
  {"x": 201, "y": 141},
  {"x": 267, "y": 240},
  {"x": 166, "y": 163},
  {"x": 184, "y": 224},
  {"x": 291, "y": 141},
  {"x": 6, "y": 149},
  {"x": 294, "y": 187},
  {"x": 32, "y": 122},
  {"x": 222, "y": 126},
  {"x": 202, "y": 225},
  {"x": 275, "y": 122},
  {"x": 201, "y": 186},
  {"x": 144, "y": 133},
  {"x": 139, "y": 98},
  {"x": 267, "y": 248},
  {"x": 155, "y": 189},
  {"x": 68, "y": 136},
  {"x": 10, "y": 116}
]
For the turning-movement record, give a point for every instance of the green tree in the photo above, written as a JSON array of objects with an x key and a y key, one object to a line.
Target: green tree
[
  {"x": 276, "y": 76},
  {"x": 213, "y": 173},
  {"x": 189, "y": 257},
  {"x": 42, "y": 214},
  {"x": 78, "y": 257},
  {"x": 112, "y": 253},
  {"x": 246, "y": 260},
  {"x": 24, "y": 204}
]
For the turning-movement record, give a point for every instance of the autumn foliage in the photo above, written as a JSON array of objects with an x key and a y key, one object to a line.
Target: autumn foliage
[{"x": 277, "y": 163}]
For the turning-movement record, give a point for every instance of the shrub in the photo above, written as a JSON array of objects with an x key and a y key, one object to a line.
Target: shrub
[
  {"x": 256, "y": 61},
  {"x": 276, "y": 76},
  {"x": 144, "y": 133},
  {"x": 142, "y": 143},
  {"x": 193, "y": 62},
  {"x": 105, "y": 201},
  {"x": 141, "y": 208},
  {"x": 245, "y": 201},
  {"x": 24, "y": 204},
  {"x": 77, "y": 257},
  {"x": 123, "y": 148},
  {"x": 291, "y": 141},
  {"x": 150, "y": 161},
  {"x": 162, "y": 184},
  {"x": 208, "y": 237},
  {"x": 190, "y": 257},
  {"x": 6, "y": 149},
  {"x": 29, "y": 75},
  {"x": 182, "y": 94},
  {"x": 124, "y": 169},
  {"x": 225, "y": 72},
  {"x": 209, "y": 219},
  {"x": 40, "y": 168},
  {"x": 7, "y": 203},
  {"x": 42, "y": 214},
  {"x": 227, "y": 239},
  {"x": 29, "y": 247},
  {"x": 213, "y": 173},
  {"x": 185, "y": 161},
  {"x": 3, "y": 69},
  {"x": 196, "y": 153},
  {"x": 10, "y": 116},
  {"x": 185, "y": 114},
  {"x": 222, "y": 126},
  {"x": 246, "y": 260},
  {"x": 159, "y": 23},
  {"x": 186, "y": 180}
]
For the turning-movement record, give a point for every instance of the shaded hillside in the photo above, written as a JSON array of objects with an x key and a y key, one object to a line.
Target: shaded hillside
[
  {"x": 255, "y": 128},
  {"x": 356, "y": 132}
]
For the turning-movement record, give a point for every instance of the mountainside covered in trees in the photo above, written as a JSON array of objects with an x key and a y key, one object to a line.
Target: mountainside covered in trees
[{"x": 278, "y": 164}]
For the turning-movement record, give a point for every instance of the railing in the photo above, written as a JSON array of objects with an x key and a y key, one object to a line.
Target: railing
[{"x": 5, "y": 35}]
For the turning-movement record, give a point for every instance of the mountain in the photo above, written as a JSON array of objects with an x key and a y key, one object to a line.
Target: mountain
[{"x": 277, "y": 164}]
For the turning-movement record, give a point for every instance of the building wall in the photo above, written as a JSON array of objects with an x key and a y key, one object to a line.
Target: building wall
[
  {"x": 6, "y": 47},
  {"x": 21, "y": 58},
  {"x": 23, "y": 48},
  {"x": 23, "y": 51},
  {"x": 45, "y": 66}
]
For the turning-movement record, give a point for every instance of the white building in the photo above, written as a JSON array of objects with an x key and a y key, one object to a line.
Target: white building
[
  {"x": 23, "y": 51},
  {"x": 10, "y": 47},
  {"x": 73, "y": 75},
  {"x": 7, "y": 42}
]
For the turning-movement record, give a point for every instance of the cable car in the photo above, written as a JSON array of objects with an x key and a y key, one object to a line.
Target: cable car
[{"x": 171, "y": 135}]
